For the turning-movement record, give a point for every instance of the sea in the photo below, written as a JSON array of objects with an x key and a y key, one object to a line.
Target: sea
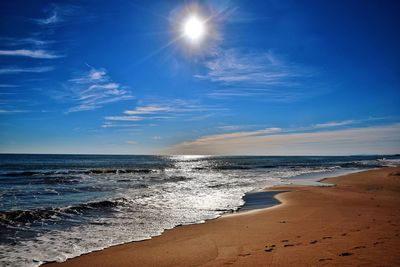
[{"x": 55, "y": 207}]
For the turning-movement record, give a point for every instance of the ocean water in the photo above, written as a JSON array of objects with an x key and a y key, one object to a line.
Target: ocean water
[{"x": 54, "y": 207}]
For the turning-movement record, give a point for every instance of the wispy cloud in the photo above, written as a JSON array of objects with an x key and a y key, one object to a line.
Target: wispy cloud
[
  {"x": 163, "y": 110},
  {"x": 131, "y": 142},
  {"x": 108, "y": 124},
  {"x": 8, "y": 85},
  {"x": 93, "y": 76},
  {"x": 353, "y": 122},
  {"x": 148, "y": 110},
  {"x": 52, "y": 19},
  {"x": 137, "y": 118},
  {"x": 384, "y": 139},
  {"x": 171, "y": 106},
  {"x": 256, "y": 73},
  {"x": 124, "y": 118},
  {"x": 228, "y": 136},
  {"x": 95, "y": 89},
  {"x": 57, "y": 14},
  {"x": 230, "y": 127},
  {"x": 43, "y": 54},
  {"x": 11, "y": 111},
  {"x": 334, "y": 124},
  {"x": 12, "y": 70},
  {"x": 9, "y": 41}
]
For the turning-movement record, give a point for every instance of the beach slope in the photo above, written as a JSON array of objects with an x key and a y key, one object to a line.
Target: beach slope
[{"x": 355, "y": 223}]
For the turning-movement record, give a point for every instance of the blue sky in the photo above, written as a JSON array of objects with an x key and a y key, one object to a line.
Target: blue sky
[{"x": 267, "y": 77}]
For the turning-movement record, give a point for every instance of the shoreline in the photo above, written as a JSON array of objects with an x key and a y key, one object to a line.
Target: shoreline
[{"x": 180, "y": 245}]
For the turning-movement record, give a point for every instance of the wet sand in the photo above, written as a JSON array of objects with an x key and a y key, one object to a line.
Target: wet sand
[{"x": 355, "y": 223}]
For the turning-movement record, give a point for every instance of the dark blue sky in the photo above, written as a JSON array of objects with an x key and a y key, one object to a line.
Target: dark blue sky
[{"x": 267, "y": 77}]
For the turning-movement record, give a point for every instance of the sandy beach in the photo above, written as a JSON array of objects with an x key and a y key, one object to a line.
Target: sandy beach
[{"x": 355, "y": 223}]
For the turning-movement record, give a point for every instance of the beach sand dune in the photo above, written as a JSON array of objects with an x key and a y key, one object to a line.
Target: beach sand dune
[{"x": 355, "y": 223}]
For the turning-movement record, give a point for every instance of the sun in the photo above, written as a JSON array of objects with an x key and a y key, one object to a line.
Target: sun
[{"x": 194, "y": 28}]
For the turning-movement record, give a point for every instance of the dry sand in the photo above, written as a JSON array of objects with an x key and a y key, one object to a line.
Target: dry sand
[{"x": 356, "y": 223}]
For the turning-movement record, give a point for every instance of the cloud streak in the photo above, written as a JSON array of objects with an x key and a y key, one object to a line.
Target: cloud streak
[
  {"x": 25, "y": 41},
  {"x": 57, "y": 14},
  {"x": 42, "y": 54},
  {"x": 170, "y": 109},
  {"x": 8, "y": 85},
  {"x": 384, "y": 139},
  {"x": 229, "y": 136},
  {"x": 52, "y": 19},
  {"x": 11, "y": 111},
  {"x": 334, "y": 124},
  {"x": 248, "y": 74},
  {"x": 13, "y": 70},
  {"x": 95, "y": 89},
  {"x": 148, "y": 110}
]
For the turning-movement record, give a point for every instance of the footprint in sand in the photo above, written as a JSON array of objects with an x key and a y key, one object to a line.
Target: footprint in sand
[
  {"x": 313, "y": 242},
  {"x": 284, "y": 241},
  {"x": 327, "y": 237},
  {"x": 288, "y": 245},
  {"x": 359, "y": 247},
  {"x": 344, "y": 234},
  {"x": 244, "y": 255},
  {"x": 344, "y": 254},
  {"x": 269, "y": 248},
  {"x": 326, "y": 259}
]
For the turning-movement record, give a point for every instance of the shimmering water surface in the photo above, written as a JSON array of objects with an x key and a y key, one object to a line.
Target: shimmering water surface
[{"x": 54, "y": 207}]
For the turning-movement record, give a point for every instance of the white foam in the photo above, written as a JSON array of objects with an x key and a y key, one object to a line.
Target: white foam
[{"x": 200, "y": 195}]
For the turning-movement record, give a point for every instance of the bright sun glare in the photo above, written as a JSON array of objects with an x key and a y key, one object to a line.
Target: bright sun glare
[{"x": 194, "y": 28}]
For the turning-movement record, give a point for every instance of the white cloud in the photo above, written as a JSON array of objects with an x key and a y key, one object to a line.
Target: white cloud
[
  {"x": 12, "y": 70},
  {"x": 230, "y": 127},
  {"x": 364, "y": 140},
  {"x": 52, "y": 19},
  {"x": 131, "y": 142},
  {"x": 171, "y": 106},
  {"x": 231, "y": 67},
  {"x": 148, "y": 110},
  {"x": 57, "y": 14},
  {"x": 112, "y": 125},
  {"x": 124, "y": 118},
  {"x": 29, "y": 53},
  {"x": 256, "y": 74},
  {"x": 10, "y": 111},
  {"x": 156, "y": 137},
  {"x": 334, "y": 124},
  {"x": 162, "y": 110},
  {"x": 227, "y": 136},
  {"x": 97, "y": 75},
  {"x": 8, "y": 85},
  {"x": 137, "y": 118},
  {"x": 95, "y": 89},
  {"x": 24, "y": 41}
]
